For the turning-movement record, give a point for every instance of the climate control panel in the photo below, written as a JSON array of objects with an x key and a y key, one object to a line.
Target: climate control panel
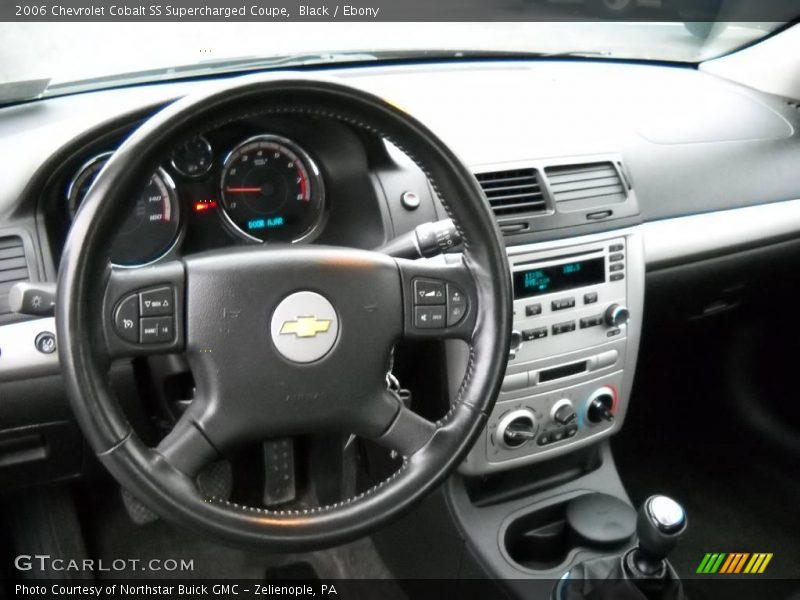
[{"x": 577, "y": 311}]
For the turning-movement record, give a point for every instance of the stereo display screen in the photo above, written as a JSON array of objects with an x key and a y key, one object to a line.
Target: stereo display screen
[{"x": 556, "y": 278}]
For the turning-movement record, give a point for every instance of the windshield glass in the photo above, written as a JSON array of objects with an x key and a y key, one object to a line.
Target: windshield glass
[{"x": 110, "y": 54}]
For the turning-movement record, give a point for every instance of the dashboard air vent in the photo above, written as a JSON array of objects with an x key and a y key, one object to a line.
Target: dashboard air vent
[
  {"x": 513, "y": 192},
  {"x": 586, "y": 185},
  {"x": 13, "y": 268}
]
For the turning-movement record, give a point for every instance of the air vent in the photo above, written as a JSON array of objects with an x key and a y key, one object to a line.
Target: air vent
[
  {"x": 13, "y": 268},
  {"x": 575, "y": 187},
  {"x": 514, "y": 192}
]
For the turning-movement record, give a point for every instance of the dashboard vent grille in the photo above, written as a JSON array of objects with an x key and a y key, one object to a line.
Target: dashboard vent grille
[
  {"x": 513, "y": 192},
  {"x": 13, "y": 268},
  {"x": 585, "y": 184}
]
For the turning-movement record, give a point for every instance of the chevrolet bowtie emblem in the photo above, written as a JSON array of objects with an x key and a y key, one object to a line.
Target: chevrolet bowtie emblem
[{"x": 305, "y": 327}]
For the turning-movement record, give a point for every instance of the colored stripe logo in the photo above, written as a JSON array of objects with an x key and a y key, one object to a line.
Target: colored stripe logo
[{"x": 734, "y": 563}]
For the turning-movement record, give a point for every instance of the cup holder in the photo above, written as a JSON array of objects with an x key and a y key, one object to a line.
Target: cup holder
[{"x": 544, "y": 538}]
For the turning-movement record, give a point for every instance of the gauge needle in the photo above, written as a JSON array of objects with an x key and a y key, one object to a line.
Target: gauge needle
[{"x": 243, "y": 190}]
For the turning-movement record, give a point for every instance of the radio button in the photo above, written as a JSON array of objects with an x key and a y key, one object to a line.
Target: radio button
[
  {"x": 456, "y": 305},
  {"x": 563, "y": 303},
  {"x": 617, "y": 276},
  {"x": 616, "y": 267},
  {"x": 593, "y": 321},
  {"x": 531, "y": 310},
  {"x": 616, "y": 247},
  {"x": 565, "y": 327},
  {"x": 534, "y": 334},
  {"x": 428, "y": 291},
  {"x": 429, "y": 317},
  {"x": 616, "y": 257},
  {"x": 590, "y": 298}
]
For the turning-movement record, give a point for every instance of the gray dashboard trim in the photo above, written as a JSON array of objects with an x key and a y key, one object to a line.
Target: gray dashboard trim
[{"x": 683, "y": 239}]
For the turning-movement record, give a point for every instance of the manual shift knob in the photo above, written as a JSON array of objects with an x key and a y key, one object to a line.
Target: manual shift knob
[{"x": 659, "y": 525}]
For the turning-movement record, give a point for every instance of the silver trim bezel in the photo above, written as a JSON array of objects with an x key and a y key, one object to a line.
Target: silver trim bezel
[
  {"x": 314, "y": 173},
  {"x": 172, "y": 190},
  {"x": 195, "y": 175}
]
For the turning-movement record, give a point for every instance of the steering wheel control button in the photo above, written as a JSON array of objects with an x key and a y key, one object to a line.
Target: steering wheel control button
[
  {"x": 563, "y": 303},
  {"x": 429, "y": 317},
  {"x": 456, "y": 305},
  {"x": 155, "y": 330},
  {"x": 428, "y": 292},
  {"x": 126, "y": 319},
  {"x": 157, "y": 302},
  {"x": 304, "y": 327},
  {"x": 410, "y": 200},
  {"x": 45, "y": 342}
]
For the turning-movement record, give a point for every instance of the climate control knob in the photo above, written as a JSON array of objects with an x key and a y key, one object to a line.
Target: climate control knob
[
  {"x": 516, "y": 428},
  {"x": 600, "y": 406},
  {"x": 563, "y": 412},
  {"x": 617, "y": 315}
]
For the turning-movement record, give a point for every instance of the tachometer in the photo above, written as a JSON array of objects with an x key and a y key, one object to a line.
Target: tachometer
[
  {"x": 150, "y": 228},
  {"x": 272, "y": 191}
]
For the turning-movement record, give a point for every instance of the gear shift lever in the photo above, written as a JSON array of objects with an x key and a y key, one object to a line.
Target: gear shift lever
[{"x": 659, "y": 525}]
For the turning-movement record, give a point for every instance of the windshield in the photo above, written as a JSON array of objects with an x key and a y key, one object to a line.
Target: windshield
[{"x": 110, "y": 54}]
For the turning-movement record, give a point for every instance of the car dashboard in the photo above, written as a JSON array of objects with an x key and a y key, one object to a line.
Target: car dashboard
[{"x": 600, "y": 176}]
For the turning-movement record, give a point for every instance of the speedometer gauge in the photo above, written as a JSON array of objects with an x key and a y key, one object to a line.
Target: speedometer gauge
[
  {"x": 272, "y": 191},
  {"x": 149, "y": 229}
]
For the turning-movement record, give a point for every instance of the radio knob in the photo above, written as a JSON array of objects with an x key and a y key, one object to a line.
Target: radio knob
[
  {"x": 517, "y": 428},
  {"x": 617, "y": 315}
]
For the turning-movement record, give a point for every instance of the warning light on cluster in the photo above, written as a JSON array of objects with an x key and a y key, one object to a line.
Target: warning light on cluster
[{"x": 204, "y": 205}]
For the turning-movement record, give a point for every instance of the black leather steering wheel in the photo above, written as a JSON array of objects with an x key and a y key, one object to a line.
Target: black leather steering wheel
[{"x": 252, "y": 383}]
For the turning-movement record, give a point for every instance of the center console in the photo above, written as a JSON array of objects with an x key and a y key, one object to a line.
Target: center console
[{"x": 577, "y": 319}]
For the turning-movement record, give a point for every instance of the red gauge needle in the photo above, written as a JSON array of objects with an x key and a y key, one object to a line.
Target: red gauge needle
[{"x": 243, "y": 190}]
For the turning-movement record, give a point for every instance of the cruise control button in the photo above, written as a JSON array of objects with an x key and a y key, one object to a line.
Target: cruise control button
[
  {"x": 456, "y": 305},
  {"x": 126, "y": 319},
  {"x": 157, "y": 329},
  {"x": 157, "y": 302},
  {"x": 428, "y": 291},
  {"x": 429, "y": 317}
]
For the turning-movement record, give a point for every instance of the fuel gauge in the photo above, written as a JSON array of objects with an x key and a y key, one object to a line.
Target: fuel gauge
[{"x": 193, "y": 158}]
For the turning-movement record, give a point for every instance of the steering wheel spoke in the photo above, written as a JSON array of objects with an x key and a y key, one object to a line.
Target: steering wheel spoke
[
  {"x": 186, "y": 448},
  {"x": 440, "y": 300},
  {"x": 408, "y": 433},
  {"x": 143, "y": 310}
]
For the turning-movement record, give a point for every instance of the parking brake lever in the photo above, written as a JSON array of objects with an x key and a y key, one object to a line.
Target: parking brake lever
[
  {"x": 427, "y": 240},
  {"x": 37, "y": 299}
]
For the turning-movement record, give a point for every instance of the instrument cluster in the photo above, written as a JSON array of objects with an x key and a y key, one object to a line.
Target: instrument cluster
[{"x": 263, "y": 188}]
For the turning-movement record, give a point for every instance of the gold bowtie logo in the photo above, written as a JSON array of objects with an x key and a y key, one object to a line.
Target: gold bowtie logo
[{"x": 306, "y": 327}]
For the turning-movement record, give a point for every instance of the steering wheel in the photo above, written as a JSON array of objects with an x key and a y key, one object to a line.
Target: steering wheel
[{"x": 257, "y": 377}]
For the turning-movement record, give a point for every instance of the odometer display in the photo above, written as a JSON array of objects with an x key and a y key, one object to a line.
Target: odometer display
[{"x": 272, "y": 191}]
